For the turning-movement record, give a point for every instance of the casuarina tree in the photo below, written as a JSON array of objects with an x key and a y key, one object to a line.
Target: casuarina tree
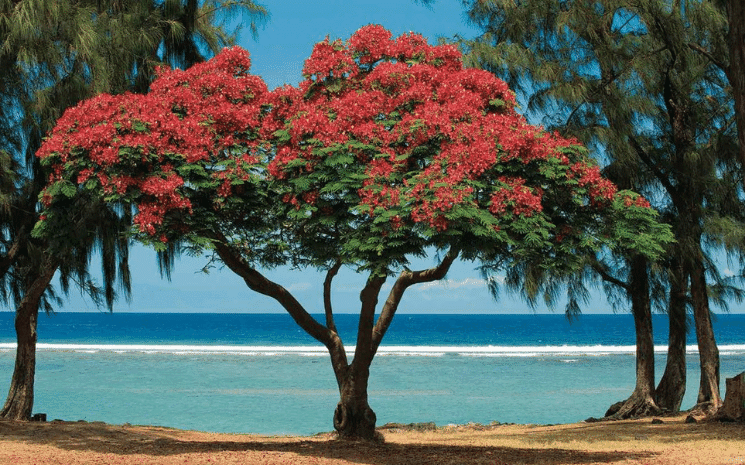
[
  {"x": 388, "y": 149},
  {"x": 637, "y": 82}
]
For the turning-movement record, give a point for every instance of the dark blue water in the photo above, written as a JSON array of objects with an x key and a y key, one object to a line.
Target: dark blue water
[{"x": 408, "y": 330}]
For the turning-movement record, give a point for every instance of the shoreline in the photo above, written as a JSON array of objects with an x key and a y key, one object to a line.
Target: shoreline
[{"x": 639, "y": 442}]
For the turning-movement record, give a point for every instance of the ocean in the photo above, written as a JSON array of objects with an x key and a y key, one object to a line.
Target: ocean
[{"x": 260, "y": 373}]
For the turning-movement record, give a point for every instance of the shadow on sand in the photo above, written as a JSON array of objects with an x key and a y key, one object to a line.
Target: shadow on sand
[{"x": 155, "y": 441}]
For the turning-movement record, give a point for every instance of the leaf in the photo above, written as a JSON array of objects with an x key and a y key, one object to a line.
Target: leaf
[{"x": 68, "y": 189}]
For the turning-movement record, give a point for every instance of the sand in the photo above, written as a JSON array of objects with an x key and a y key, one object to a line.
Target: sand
[{"x": 673, "y": 442}]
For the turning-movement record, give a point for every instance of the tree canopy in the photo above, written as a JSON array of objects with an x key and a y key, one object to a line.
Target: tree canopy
[{"x": 392, "y": 140}]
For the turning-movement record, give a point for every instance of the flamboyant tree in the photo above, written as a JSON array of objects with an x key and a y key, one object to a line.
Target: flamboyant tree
[{"x": 389, "y": 149}]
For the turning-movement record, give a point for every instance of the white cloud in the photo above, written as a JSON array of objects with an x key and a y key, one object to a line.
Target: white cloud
[
  {"x": 450, "y": 284},
  {"x": 299, "y": 287}
]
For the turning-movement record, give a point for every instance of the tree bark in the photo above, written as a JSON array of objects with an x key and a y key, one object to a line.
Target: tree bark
[
  {"x": 641, "y": 403},
  {"x": 353, "y": 417},
  {"x": 709, "y": 399},
  {"x": 20, "y": 401},
  {"x": 733, "y": 408},
  {"x": 672, "y": 387}
]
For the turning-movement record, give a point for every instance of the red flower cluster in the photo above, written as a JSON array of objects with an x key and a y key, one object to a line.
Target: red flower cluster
[
  {"x": 131, "y": 143},
  {"x": 522, "y": 200},
  {"x": 600, "y": 189},
  {"x": 419, "y": 138},
  {"x": 638, "y": 201},
  {"x": 426, "y": 119}
]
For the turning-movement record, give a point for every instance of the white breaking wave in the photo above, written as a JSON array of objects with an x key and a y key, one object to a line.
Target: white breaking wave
[{"x": 421, "y": 351}]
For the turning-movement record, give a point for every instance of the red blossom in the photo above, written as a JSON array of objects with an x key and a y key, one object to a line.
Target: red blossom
[
  {"x": 415, "y": 134},
  {"x": 371, "y": 43},
  {"x": 198, "y": 116},
  {"x": 522, "y": 200},
  {"x": 599, "y": 188},
  {"x": 328, "y": 60},
  {"x": 639, "y": 201}
]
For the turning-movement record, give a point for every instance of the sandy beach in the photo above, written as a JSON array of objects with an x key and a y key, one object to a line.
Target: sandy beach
[{"x": 673, "y": 442}]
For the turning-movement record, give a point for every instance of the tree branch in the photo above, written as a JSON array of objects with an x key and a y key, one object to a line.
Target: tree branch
[
  {"x": 9, "y": 258},
  {"x": 599, "y": 269},
  {"x": 406, "y": 279},
  {"x": 327, "y": 295},
  {"x": 259, "y": 283},
  {"x": 365, "y": 351},
  {"x": 707, "y": 54},
  {"x": 659, "y": 174}
]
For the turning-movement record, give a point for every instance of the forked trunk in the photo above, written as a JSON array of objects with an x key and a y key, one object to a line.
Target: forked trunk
[
  {"x": 641, "y": 403},
  {"x": 672, "y": 386},
  {"x": 20, "y": 401},
  {"x": 709, "y": 399},
  {"x": 353, "y": 417}
]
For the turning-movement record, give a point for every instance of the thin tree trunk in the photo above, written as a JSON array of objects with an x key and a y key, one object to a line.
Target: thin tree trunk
[
  {"x": 641, "y": 403},
  {"x": 709, "y": 399},
  {"x": 20, "y": 401},
  {"x": 672, "y": 386}
]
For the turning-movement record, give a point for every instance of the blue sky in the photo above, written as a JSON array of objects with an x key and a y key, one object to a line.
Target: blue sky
[{"x": 277, "y": 55}]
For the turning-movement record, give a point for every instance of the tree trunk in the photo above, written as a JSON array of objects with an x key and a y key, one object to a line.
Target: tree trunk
[
  {"x": 672, "y": 387},
  {"x": 353, "y": 417},
  {"x": 709, "y": 399},
  {"x": 20, "y": 401},
  {"x": 733, "y": 408},
  {"x": 641, "y": 403}
]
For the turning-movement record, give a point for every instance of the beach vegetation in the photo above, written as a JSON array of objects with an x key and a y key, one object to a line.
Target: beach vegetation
[{"x": 388, "y": 150}]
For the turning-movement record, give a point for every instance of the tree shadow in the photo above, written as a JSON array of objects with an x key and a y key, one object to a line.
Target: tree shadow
[
  {"x": 161, "y": 442},
  {"x": 670, "y": 431}
]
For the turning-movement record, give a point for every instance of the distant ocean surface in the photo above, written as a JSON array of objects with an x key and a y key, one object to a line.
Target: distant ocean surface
[{"x": 260, "y": 373}]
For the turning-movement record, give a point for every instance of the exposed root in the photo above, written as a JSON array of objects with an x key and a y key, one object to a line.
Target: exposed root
[
  {"x": 636, "y": 406},
  {"x": 354, "y": 425},
  {"x": 705, "y": 409}
]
